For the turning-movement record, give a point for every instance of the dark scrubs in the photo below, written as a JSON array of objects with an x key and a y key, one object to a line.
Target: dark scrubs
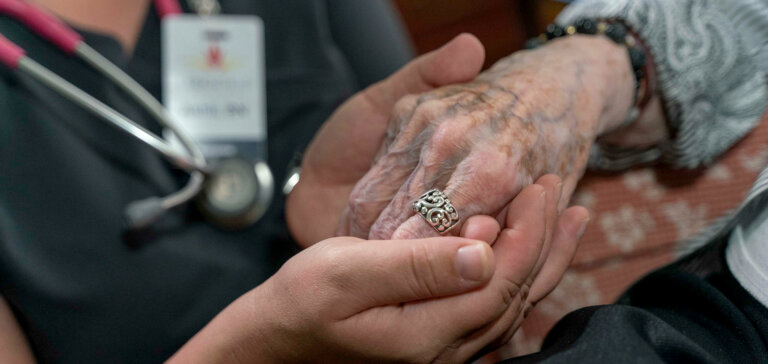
[
  {"x": 693, "y": 311},
  {"x": 81, "y": 288}
]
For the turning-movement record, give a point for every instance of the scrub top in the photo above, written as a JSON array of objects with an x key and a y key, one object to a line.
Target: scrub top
[{"x": 83, "y": 289}]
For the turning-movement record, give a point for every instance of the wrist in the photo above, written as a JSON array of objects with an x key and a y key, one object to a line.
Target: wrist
[
  {"x": 585, "y": 76},
  {"x": 238, "y": 334},
  {"x": 263, "y": 339},
  {"x": 607, "y": 76}
]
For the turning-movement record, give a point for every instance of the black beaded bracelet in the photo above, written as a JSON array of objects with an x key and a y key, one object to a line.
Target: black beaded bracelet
[{"x": 615, "y": 31}]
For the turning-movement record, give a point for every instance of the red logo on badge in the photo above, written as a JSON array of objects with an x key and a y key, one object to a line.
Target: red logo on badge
[{"x": 215, "y": 57}]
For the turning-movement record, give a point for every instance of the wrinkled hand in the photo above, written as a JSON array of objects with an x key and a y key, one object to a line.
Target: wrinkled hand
[
  {"x": 533, "y": 113},
  {"x": 430, "y": 300},
  {"x": 344, "y": 149}
]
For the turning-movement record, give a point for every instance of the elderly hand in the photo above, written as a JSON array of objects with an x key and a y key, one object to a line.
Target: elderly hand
[
  {"x": 344, "y": 149},
  {"x": 533, "y": 113},
  {"x": 440, "y": 299}
]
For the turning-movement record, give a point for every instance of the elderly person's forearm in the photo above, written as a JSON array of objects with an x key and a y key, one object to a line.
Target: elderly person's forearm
[{"x": 481, "y": 142}]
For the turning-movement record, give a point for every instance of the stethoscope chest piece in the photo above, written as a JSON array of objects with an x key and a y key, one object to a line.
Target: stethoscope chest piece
[{"x": 237, "y": 193}]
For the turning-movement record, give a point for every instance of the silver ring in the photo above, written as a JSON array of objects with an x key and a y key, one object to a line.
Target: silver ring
[{"x": 437, "y": 210}]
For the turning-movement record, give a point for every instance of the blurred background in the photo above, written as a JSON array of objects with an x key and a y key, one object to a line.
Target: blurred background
[{"x": 502, "y": 25}]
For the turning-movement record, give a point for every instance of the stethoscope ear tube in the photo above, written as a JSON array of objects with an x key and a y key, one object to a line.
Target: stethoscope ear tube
[
  {"x": 43, "y": 24},
  {"x": 167, "y": 8},
  {"x": 10, "y": 53}
]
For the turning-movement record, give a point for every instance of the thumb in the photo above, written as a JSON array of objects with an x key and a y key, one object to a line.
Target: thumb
[
  {"x": 459, "y": 60},
  {"x": 389, "y": 272}
]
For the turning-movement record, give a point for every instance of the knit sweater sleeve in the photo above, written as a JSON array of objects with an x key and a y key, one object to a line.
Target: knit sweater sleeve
[{"x": 711, "y": 58}]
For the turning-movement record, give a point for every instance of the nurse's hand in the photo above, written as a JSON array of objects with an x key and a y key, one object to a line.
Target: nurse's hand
[
  {"x": 432, "y": 300},
  {"x": 344, "y": 149},
  {"x": 533, "y": 113}
]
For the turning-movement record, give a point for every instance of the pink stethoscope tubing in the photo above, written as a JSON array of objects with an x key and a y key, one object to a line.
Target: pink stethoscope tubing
[{"x": 140, "y": 213}]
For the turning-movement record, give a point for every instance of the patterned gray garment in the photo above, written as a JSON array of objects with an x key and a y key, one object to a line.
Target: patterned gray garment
[
  {"x": 711, "y": 58},
  {"x": 711, "y": 63}
]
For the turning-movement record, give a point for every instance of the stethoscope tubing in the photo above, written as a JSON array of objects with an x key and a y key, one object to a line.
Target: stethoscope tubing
[
  {"x": 143, "y": 212},
  {"x": 197, "y": 166},
  {"x": 90, "y": 103},
  {"x": 150, "y": 103}
]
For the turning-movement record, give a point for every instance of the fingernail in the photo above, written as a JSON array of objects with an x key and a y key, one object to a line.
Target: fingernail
[
  {"x": 583, "y": 228},
  {"x": 472, "y": 262}
]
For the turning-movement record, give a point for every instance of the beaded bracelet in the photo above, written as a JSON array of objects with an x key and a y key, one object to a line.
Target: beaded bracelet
[{"x": 617, "y": 32}]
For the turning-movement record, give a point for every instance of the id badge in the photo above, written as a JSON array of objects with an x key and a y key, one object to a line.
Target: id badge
[
  {"x": 213, "y": 82},
  {"x": 214, "y": 90}
]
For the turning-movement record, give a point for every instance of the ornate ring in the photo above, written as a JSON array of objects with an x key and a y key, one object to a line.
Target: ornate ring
[{"x": 437, "y": 210}]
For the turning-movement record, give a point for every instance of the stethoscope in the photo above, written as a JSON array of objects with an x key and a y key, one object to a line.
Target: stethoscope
[{"x": 235, "y": 193}]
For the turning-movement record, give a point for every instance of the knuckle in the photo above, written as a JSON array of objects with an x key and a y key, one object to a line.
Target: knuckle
[
  {"x": 428, "y": 110},
  {"x": 447, "y": 139},
  {"x": 301, "y": 278},
  {"x": 445, "y": 133},
  {"x": 405, "y": 104},
  {"x": 333, "y": 267},
  {"x": 368, "y": 210},
  {"x": 413, "y": 125},
  {"x": 424, "y": 273},
  {"x": 427, "y": 96},
  {"x": 361, "y": 203},
  {"x": 356, "y": 208},
  {"x": 330, "y": 256},
  {"x": 357, "y": 199}
]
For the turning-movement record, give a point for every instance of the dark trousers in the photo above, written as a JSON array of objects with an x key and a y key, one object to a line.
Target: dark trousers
[{"x": 673, "y": 315}]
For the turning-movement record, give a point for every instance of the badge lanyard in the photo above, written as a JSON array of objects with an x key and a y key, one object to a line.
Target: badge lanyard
[{"x": 234, "y": 192}]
